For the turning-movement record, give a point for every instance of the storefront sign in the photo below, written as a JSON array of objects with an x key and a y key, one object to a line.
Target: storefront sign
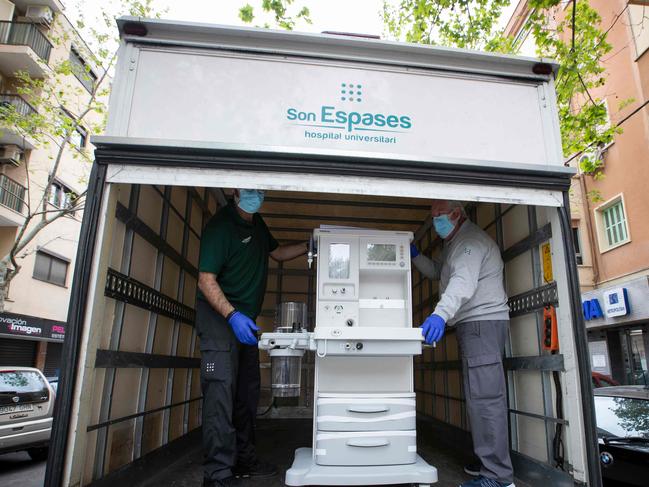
[
  {"x": 31, "y": 327},
  {"x": 592, "y": 309},
  {"x": 616, "y": 302},
  {"x": 625, "y": 304}
]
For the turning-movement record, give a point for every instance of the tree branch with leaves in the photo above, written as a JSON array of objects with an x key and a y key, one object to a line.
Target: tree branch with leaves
[
  {"x": 279, "y": 10},
  {"x": 473, "y": 24}
]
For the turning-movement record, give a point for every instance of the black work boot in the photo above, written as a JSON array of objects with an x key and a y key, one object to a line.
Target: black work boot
[{"x": 256, "y": 469}]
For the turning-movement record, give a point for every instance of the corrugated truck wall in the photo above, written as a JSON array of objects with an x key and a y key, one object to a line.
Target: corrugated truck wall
[
  {"x": 525, "y": 386},
  {"x": 147, "y": 387}
]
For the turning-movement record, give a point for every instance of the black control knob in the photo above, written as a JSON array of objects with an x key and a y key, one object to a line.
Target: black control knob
[
  {"x": 350, "y": 322},
  {"x": 359, "y": 346}
]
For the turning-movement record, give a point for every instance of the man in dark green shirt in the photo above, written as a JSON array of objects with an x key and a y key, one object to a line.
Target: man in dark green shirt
[{"x": 233, "y": 269}]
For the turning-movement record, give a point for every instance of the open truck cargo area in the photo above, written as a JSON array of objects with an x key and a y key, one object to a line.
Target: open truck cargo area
[{"x": 337, "y": 131}]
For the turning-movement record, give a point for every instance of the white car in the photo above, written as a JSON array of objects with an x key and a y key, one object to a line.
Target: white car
[{"x": 26, "y": 404}]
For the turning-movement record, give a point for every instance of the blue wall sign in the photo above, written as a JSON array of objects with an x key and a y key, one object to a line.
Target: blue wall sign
[
  {"x": 592, "y": 309},
  {"x": 616, "y": 302}
]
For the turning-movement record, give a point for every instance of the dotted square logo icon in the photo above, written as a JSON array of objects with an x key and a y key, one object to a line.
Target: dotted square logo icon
[{"x": 351, "y": 92}]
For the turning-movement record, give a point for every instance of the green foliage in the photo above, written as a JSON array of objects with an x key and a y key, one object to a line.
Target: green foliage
[
  {"x": 625, "y": 103},
  {"x": 472, "y": 24},
  {"x": 595, "y": 196},
  {"x": 633, "y": 415},
  {"x": 590, "y": 163},
  {"x": 100, "y": 32},
  {"x": 142, "y": 8},
  {"x": 545, "y": 4},
  {"x": 584, "y": 119},
  {"x": 246, "y": 13},
  {"x": 279, "y": 10},
  {"x": 459, "y": 23}
]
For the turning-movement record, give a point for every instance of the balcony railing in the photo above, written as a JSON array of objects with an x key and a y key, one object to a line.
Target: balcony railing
[
  {"x": 21, "y": 106},
  {"x": 25, "y": 34},
  {"x": 12, "y": 194}
]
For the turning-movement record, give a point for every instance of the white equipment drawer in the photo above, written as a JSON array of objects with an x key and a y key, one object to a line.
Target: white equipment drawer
[
  {"x": 366, "y": 448},
  {"x": 366, "y": 414}
]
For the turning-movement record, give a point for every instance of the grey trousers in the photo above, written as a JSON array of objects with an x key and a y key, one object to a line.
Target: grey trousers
[{"x": 482, "y": 344}]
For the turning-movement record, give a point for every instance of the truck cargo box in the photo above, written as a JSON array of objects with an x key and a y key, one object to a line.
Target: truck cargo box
[{"x": 336, "y": 130}]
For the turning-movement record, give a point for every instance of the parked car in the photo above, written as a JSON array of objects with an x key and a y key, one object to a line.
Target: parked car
[
  {"x": 623, "y": 431},
  {"x": 26, "y": 404},
  {"x": 603, "y": 380}
]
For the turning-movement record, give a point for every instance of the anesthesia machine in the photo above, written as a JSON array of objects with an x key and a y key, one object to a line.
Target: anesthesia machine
[{"x": 364, "y": 421}]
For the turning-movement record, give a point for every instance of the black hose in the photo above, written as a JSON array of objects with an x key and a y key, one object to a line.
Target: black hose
[
  {"x": 557, "y": 442},
  {"x": 271, "y": 406}
]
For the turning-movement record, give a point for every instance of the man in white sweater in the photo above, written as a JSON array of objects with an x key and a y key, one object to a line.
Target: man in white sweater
[{"x": 472, "y": 298}]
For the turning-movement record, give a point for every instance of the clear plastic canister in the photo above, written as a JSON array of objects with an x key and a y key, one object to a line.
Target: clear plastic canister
[
  {"x": 286, "y": 363},
  {"x": 286, "y": 371}
]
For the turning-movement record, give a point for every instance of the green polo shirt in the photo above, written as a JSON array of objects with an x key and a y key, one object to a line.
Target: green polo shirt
[{"x": 237, "y": 251}]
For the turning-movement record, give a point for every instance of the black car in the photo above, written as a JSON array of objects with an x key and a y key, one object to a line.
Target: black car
[{"x": 623, "y": 432}]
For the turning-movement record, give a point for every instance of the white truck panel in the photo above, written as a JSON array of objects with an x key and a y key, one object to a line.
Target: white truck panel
[{"x": 301, "y": 104}]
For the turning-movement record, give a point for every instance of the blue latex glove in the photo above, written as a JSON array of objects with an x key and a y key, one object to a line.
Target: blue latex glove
[
  {"x": 244, "y": 328},
  {"x": 433, "y": 328},
  {"x": 413, "y": 251}
]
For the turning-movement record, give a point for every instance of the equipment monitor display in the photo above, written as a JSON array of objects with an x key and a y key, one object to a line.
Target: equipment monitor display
[
  {"x": 381, "y": 252},
  {"x": 339, "y": 255}
]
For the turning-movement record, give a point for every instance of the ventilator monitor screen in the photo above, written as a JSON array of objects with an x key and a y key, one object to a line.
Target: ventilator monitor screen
[
  {"x": 381, "y": 252},
  {"x": 339, "y": 261}
]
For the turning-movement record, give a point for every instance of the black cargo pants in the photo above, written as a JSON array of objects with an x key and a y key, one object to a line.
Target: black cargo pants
[{"x": 230, "y": 383}]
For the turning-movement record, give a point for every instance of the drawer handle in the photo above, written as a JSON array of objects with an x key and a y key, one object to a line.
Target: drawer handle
[
  {"x": 369, "y": 443},
  {"x": 368, "y": 409}
]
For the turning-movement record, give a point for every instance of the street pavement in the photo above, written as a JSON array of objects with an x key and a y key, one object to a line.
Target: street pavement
[{"x": 18, "y": 470}]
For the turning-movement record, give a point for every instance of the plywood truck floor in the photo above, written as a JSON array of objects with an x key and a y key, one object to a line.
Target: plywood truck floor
[{"x": 277, "y": 441}]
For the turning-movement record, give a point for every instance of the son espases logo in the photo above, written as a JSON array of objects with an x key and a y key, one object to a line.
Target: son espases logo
[{"x": 329, "y": 116}]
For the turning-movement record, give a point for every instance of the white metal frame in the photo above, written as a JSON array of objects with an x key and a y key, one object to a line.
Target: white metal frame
[
  {"x": 575, "y": 448},
  {"x": 331, "y": 183},
  {"x": 325, "y": 46},
  {"x": 74, "y": 466}
]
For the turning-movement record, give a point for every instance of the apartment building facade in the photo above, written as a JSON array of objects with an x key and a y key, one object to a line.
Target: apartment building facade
[
  {"x": 610, "y": 214},
  {"x": 34, "y": 36}
]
